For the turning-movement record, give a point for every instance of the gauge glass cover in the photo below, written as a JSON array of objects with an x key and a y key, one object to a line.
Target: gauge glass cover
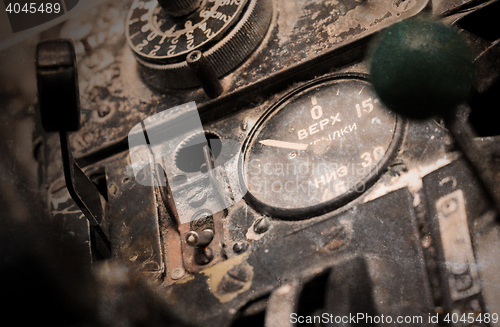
[{"x": 319, "y": 147}]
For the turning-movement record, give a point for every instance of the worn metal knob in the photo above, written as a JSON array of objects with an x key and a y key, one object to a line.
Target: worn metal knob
[
  {"x": 162, "y": 35},
  {"x": 178, "y": 8},
  {"x": 422, "y": 68}
]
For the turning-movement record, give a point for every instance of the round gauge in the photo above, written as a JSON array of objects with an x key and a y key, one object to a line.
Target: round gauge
[
  {"x": 319, "y": 147},
  {"x": 154, "y": 35}
]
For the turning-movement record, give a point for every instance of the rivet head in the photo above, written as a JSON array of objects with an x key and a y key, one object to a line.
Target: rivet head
[
  {"x": 177, "y": 273},
  {"x": 240, "y": 247},
  {"x": 196, "y": 196},
  {"x": 235, "y": 279}
]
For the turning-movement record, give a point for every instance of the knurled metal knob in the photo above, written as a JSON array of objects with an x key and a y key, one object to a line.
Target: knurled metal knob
[
  {"x": 178, "y": 8},
  {"x": 225, "y": 32}
]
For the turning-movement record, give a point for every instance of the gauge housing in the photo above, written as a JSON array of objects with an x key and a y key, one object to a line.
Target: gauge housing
[{"x": 329, "y": 190}]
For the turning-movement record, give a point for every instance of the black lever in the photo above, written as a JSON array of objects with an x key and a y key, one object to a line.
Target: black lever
[
  {"x": 59, "y": 103},
  {"x": 421, "y": 68}
]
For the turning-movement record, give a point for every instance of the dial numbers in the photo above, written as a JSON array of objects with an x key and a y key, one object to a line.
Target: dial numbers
[
  {"x": 315, "y": 150},
  {"x": 152, "y": 34}
]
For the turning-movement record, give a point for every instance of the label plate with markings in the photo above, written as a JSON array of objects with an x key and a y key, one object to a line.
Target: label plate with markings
[{"x": 463, "y": 278}]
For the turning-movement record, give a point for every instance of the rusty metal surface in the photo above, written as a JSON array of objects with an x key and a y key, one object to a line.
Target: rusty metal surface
[
  {"x": 134, "y": 229},
  {"x": 282, "y": 253}
]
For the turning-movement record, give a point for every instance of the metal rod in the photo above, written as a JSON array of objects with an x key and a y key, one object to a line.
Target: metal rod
[
  {"x": 205, "y": 74},
  {"x": 479, "y": 161},
  {"x": 200, "y": 238}
]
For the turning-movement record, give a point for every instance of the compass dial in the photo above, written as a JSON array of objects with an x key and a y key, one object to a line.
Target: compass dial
[{"x": 226, "y": 32}]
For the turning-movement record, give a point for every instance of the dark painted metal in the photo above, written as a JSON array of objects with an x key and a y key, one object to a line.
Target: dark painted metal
[
  {"x": 60, "y": 111},
  {"x": 382, "y": 247},
  {"x": 204, "y": 73}
]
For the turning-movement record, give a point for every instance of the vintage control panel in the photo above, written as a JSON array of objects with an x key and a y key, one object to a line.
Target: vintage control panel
[{"x": 229, "y": 163}]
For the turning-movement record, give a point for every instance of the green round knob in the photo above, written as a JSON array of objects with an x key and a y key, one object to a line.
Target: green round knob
[{"x": 421, "y": 68}]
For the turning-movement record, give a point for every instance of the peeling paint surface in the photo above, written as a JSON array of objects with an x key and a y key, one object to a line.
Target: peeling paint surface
[
  {"x": 412, "y": 179},
  {"x": 216, "y": 273}
]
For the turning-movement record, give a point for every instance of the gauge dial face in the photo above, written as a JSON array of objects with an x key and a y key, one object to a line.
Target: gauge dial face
[
  {"x": 153, "y": 35},
  {"x": 319, "y": 147}
]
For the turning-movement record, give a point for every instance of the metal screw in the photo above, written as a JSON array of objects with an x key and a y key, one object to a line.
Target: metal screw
[
  {"x": 239, "y": 273},
  {"x": 196, "y": 196},
  {"x": 449, "y": 206},
  {"x": 244, "y": 125},
  {"x": 113, "y": 188},
  {"x": 261, "y": 226},
  {"x": 247, "y": 124},
  {"x": 191, "y": 239},
  {"x": 88, "y": 138},
  {"x": 240, "y": 247},
  {"x": 177, "y": 273},
  {"x": 103, "y": 110},
  {"x": 397, "y": 168}
]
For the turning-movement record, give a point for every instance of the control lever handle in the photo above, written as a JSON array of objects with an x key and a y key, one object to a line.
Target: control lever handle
[
  {"x": 421, "y": 68},
  {"x": 59, "y": 105},
  {"x": 199, "y": 238}
]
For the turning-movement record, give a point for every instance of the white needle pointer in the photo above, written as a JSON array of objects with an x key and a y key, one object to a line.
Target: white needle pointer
[{"x": 285, "y": 145}]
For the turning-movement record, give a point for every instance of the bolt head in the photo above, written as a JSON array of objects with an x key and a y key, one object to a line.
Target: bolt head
[
  {"x": 196, "y": 196},
  {"x": 239, "y": 273},
  {"x": 177, "y": 273},
  {"x": 449, "y": 207}
]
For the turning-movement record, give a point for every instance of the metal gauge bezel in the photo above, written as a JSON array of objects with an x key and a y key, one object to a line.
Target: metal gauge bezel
[{"x": 337, "y": 202}]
